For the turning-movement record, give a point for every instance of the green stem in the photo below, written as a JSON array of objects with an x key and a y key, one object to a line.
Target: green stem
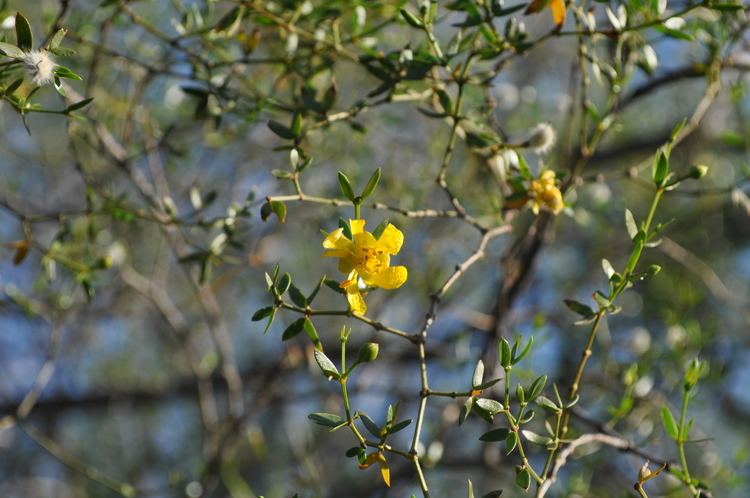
[
  {"x": 681, "y": 437},
  {"x": 357, "y": 211}
]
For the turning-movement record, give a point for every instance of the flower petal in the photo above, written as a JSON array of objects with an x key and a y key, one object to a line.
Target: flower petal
[
  {"x": 356, "y": 301},
  {"x": 357, "y": 226},
  {"x": 336, "y": 240},
  {"x": 390, "y": 240},
  {"x": 390, "y": 278}
]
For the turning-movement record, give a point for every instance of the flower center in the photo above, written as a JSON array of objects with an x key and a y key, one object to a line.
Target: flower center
[{"x": 366, "y": 259}]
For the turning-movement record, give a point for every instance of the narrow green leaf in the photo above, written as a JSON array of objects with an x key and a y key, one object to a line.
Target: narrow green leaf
[
  {"x": 313, "y": 334},
  {"x": 292, "y": 330},
  {"x": 24, "y": 38},
  {"x": 510, "y": 443},
  {"x": 56, "y": 39},
  {"x": 411, "y": 19},
  {"x": 660, "y": 168},
  {"x": 478, "y": 374},
  {"x": 284, "y": 283},
  {"x": 536, "y": 387},
  {"x": 79, "y": 105},
  {"x": 504, "y": 352},
  {"x": 11, "y": 50},
  {"x": 579, "y": 308},
  {"x": 500, "y": 434},
  {"x": 372, "y": 183},
  {"x": 326, "y": 365},
  {"x": 280, "y": 130},
  {"x": 536, "y": 438},
  {"x": 64, "y": 72},
  {"x": 399, "y": 426},
  {"x": 346, "y": 186},
  {"x": 326, "y": 419},
  {"x": 630, "y": 224},
  {"x": 262, "y": 313},
  {"x": 297, "y": 297},
  {"x": 370, "y": 425},
  {"x": 669, "y": 423}
]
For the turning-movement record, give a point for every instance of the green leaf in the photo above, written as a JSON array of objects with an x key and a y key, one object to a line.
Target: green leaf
[
  {"x": 500, "y": 434},
  {"x": 504, "y": 352},
  {"x": 24, "y": 38},
  {"x": 56, "y": 39},
  {"x": 371, "y": 426},
  {"x": 536, "y": 387},
  {"x": 313, "y": 334},
  {"x": 326, "y": 419},
  {"x": 279, "y": 208},
  {"x": 280, "y": 130},
  {"x": 270, "y": 320},
  {"x": 411, "y": 19},
  {"x": 536, "y": 438},
  {"x": 547, "y": 403},
  {"x": 11, "y": 50},
  {"x": 523, "y": 478},
  {"x": 399, "y": 426},
  {"x": 465, "y": 410},
  {"x": 326, "y": 365},
  {"x": 372, "y": 183},
  {"x": 297, "y": 297},
  {"x": 64, "y": 72},
  {"x": 292, "y": 330},
  {"x": 13, "y": 86},
  {"x": 660, "y": 168},
  {"x": 79, "y": 105},
  {"x": 510, "y": 443},
  {"x": 284, "y": 283},
  {"x": 478, "y": 374},
  {"x": 525, "y": 351},
  {"x": 580, "y": 308},
  {"x": 262, "y": 313},
  {"x": 489, "y": 405},
  {"x": 631, "y": 225},
  {"x": 471, "y": 490},
  {"x": 296, "y": 127},
  {"x": 669, "y": 423},
  {"x": 380, "y": 228},
  {"x": 445, "y": 100},
  {"x": 333, "y": 285},
  {"x": 346, "y": 186}
]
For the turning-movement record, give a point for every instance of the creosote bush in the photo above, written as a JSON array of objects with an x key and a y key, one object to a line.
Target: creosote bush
[{"x": 202, "y": 239}]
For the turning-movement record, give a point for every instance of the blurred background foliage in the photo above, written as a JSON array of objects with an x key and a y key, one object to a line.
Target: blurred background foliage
[{"x": 134, "y": 251}]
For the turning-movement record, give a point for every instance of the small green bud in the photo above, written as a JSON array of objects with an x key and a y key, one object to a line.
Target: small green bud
[
  {"x": 697, "y": 171},
  {"x": 654, "y": 269},
  {"x": 368, "y": 352},
  {"x": 695, "y": 371}
]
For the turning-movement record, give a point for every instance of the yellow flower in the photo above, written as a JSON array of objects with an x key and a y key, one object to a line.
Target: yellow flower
[
  {"x": 367, "y": 258},
  {"x": 544, "y": 193}
]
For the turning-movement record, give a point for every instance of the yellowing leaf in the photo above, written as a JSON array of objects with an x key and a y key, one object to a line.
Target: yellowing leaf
[
  {"x": 558, "y": 11},
  {"x": 385, "y": 472}
]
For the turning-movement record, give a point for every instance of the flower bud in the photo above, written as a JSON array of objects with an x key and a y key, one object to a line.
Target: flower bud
[
  {"x": 653, "y": 269},
  {"x": 697, "y": 171},
  {"x": 368, "y": 352}
]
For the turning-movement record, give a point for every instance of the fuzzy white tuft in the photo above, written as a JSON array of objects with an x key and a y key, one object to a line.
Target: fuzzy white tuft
[
  {"x": 542, "y": 139},
  {"x": 40, "y": 65}
]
